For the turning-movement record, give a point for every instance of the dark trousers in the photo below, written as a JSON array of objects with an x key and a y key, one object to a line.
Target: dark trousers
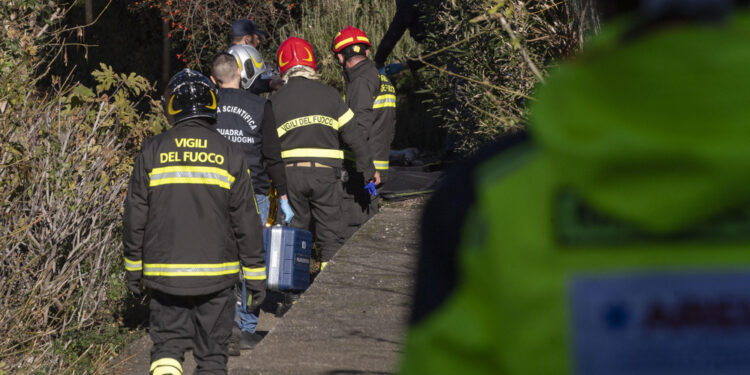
[
  {"x": 315, "y": 196},
  {"x": 357, "y": 204},
  {"x": 201, "y": 323}
]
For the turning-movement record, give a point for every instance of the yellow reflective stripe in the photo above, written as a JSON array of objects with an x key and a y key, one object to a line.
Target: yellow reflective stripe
[
  {"x": 215, "y": 269},
  {"x": 190, "y": 180},
  {"x": 307, "y": 120},
  {"x": 386, "y": 100},
  {"x": 313, "y": 153},
  {"x": 165, "y": 366},
  {"x": 363, "y": 39},
  {"x": 185, "y": 168},
  {"x": 380, "y": 164},
  {"x": 254, "y": 273},
  {"x": 348, "y": 115},
  {"x": 190, "y": 175},
  {"x": 341, "y": 43},
  {"x": 133, "y": 265}
]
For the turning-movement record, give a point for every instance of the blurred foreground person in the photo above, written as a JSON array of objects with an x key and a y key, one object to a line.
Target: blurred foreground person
[
  {"x": 615, "y": 240},
  {"x": 190, "y": 223}
]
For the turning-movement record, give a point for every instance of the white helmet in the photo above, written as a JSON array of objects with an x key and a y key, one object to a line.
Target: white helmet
[{"x": 251, "y": 63}]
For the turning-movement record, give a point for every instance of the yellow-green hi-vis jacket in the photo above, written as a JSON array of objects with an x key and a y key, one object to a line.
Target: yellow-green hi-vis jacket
[{"x": 618, "y": 240}]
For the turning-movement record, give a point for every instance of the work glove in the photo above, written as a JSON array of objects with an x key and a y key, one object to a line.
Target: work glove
[
  {"x": 287, "y": 210},
  {"x": 370, "y": 188},
  {"x": 134, "y": 285},
  {"x": 391, "y": 69},
  {"x": 256, "y": 293}
]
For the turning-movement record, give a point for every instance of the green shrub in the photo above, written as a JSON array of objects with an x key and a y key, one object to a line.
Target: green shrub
[
  {"x": 485, "y": 58},
  {"x": 65, "y": 162},
  {"x": 65, "y": 157},
  {"x": 318, "y": 22}
]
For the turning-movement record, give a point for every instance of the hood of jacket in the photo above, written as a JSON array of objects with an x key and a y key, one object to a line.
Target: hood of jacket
[{"x": 654, "y": 130}]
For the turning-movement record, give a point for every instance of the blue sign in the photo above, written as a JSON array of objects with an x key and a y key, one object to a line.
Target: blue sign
[{"x": 688, "y": 323}]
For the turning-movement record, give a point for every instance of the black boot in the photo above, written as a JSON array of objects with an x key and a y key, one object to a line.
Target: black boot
[{"x": 233, "y": 347}]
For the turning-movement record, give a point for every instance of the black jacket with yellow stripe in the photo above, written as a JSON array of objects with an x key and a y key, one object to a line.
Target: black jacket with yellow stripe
[
  {"x": 310, "y": 117},
  {"x": 372, "y": 97},
  {"x": 191, "y": 222}
]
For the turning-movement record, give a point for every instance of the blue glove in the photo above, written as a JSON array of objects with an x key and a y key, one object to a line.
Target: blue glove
[
  {"x": 393, "y": 68},
  {"x": 370, "y": 187},
  {"x": 287, "y": 210},
  {"x": 382, "y": 70}
]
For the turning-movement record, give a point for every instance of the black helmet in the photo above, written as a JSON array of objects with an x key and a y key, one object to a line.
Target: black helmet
[{"x": 191, "y": 95}]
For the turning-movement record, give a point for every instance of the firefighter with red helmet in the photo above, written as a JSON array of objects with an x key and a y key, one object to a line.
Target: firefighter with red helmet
[
  {"x": 190, "y": 226},
  {"x": 372, "y": 97},
  {"x": 310, "y": 119}
]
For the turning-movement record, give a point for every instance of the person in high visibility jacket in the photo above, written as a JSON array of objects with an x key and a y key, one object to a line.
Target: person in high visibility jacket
[
  {"x": 372, "y": 97},
  {"x": 615, "y": 240},
  {"x": 310, "y": 118},
  {"x": 190, "y": 226}
]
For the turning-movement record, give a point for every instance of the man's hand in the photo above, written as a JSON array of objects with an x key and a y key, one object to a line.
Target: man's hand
[
  {"x": 376, "y": 178},
  {"x": 255, "y": 295},
  {"x": 134, "y": 286},
  {"x": 286, "y": 209}
]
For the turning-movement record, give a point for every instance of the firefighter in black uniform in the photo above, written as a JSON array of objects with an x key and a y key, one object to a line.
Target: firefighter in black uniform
[
  {"x": 190, "y": 226},
  {"x": 239, "y": 115},
  {"x": 372, "y": 97},
  {"x": 310, "y": 117}
]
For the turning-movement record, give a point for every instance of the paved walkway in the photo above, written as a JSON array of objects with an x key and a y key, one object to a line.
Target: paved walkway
[{"x": 350, "y": 321}]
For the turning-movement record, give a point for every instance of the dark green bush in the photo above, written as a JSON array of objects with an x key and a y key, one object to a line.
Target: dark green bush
[{"x": 485, "y": 57}]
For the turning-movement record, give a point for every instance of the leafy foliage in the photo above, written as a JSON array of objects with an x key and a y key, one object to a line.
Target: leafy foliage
[
  {"x": 318, "y": 22},
  {"x": 23, "y": 26},
  {"x": 65, "y": 156},
  {"x": 65, "y": 165},
  {"x": 485, "y": 58},
  {"x": 200, "y": 28}
]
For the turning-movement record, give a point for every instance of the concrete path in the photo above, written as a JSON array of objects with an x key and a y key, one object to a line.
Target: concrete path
[{"x": 350, "y": 321}]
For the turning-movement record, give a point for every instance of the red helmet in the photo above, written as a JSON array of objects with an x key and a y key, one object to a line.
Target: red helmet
[
  {"x": 349, "y": 36},
  {"x": 295, "y": 51}
]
